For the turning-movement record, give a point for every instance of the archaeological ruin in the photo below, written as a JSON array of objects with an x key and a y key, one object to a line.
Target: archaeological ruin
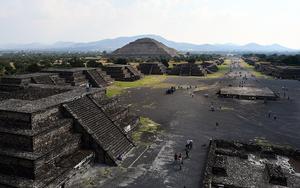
[
  {"x": 80, "y": 76},
  {"x": 52, "y": 129},
  {"x": 155, "y": 68},
  {"x": 187, "y": 69},
  {"x": 210, "y": 66},
  {"x": 145, "y": 48},
  {"x": 247, "y": 93},
  {"x": 277, "y": 71},
  {"x": 123, "y": 72},
  {"x": 235, "y": 164}
]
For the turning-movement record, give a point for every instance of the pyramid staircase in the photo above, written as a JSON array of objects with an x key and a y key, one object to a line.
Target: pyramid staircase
[
  {"x": 120, "y": 115},
  {"x": 187, "y": 69},
  {"x": 39, "y": 152},
  {"x": 134, "y": 73},
  {"x": 95, "y": 78},
  {"x": 108, "y": 137}
]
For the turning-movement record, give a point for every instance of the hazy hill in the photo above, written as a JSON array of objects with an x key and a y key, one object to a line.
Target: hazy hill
[{"x": 113, "y": 44}]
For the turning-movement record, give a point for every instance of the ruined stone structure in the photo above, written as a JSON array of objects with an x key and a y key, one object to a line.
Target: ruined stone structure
[
  {"x": 80, "y": 76},
  {"x": 251, "y": 60},
  {"x": 51, "y": 132},
  {"x": 287, "y": 72},
  {"x": 145, "y": 48},
  {"x": 283, "y": 72},
  {"x": 247, "y": 93},
  {"x": 69, "y": 76},
  {"x": 188, "y": 69},
  {"x": 149, "y": 68},
  {"x": 210, "y": 66},
  {"x": 123, "y": 72},
  {"x": 236, "y": 164},
  {"x": 36, "y": 78}
]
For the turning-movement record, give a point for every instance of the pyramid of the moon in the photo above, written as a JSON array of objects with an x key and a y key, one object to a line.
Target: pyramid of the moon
[{"x": 145, "y": 47}]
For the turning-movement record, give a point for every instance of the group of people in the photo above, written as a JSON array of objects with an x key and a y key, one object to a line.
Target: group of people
[
  {"x": 171, "y": 90},
  {"x": 178, "y": 157},
  {"x": 270, "y": 115}
]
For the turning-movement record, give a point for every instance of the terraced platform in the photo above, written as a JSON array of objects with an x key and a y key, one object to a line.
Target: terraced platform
[{"x": 108, "y": 136}]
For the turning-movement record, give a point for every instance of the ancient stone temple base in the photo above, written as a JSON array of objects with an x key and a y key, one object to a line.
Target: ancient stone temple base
[{"x": 241, "y": 165}]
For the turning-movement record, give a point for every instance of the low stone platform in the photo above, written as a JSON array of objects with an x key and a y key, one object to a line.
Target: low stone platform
[
  {"x": 187, "y": 69},
  {"x": 247, "y": 93},
  {"x": 149, "y": 68},
  {"x": 123, "y": 72},
  {"x": 242, "y": 165},
  {"x": 80, "y": 76},
  {"x": 48, "y": 133}
]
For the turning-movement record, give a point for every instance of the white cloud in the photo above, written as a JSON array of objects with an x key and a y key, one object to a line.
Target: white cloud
[{"x": 198, "y": 21}]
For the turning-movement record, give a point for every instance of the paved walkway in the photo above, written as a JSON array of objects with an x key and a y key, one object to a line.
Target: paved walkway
[{"x": 185, "y": 117}]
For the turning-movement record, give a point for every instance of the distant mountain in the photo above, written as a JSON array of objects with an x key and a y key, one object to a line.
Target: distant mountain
[{"x": 113, "y": 44}]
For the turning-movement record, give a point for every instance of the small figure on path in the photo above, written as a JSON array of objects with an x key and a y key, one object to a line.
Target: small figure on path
[
  {"x": 180, "y": 161},
  {"x": 187, "y": 153},
  {"x": 217, "y": 124},
  {"x": 87, "y": 87},
  {"x": 189, "y": 144},
  {"x": 175, "y": 157}
]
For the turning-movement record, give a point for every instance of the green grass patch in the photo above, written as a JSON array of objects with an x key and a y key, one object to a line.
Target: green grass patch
[
  {"x": 119, "y": 87},
  {"x": 265, "y": 143},
  {"x": 112, "y": 91},
  {"x": 146, "y": 131},
  {"x": 252, "y": 70}
]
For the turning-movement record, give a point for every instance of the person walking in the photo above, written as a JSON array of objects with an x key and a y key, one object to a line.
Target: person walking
[
  {"x": 190, "y": 144},
  {"x": 187, "y": 153},
  {"x": 180, "y": 161},
  {"x": 87, "y": 87},
  {"x": 175, "y": 157}
]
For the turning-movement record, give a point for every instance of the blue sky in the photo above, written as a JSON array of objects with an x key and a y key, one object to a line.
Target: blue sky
[{"x": 197, "y": 21}]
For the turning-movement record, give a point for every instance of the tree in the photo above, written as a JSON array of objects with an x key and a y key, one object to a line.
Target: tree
[
  {"x": 34, "y": 67},
  {"x": 164, "y": 61},
  {"x": 191, "y": 60},
  {"x": 93, "y": 63},
  {"x": 121, "y": 61},
  {"x": 76, "y": 62}
]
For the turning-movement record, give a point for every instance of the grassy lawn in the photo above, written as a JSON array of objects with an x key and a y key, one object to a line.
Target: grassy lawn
[
  {"x": 224, "y": 68},
  {"x": 146, "y": 131},
  {"x": 154, "y": 81},
  {"x": 252, "y": 70}
]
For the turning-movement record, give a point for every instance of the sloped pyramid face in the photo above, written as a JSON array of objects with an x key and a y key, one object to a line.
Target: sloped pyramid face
[{"x": 145, "y": 47}]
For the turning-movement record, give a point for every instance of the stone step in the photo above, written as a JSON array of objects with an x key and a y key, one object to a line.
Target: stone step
[
  {"x": 29, "y": 140},
  {"x": 32, "y": 164},
  {"x": 96, "y": 78},
  {"x": 101, "y": 128}
]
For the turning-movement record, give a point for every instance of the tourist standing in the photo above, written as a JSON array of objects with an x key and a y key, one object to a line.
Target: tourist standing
[
  {"x": 180, "y": 161},
  {"x": 175, "y": 157},
  {"x": 187, "y": 153},
  {"x": 87, "y": 87}
]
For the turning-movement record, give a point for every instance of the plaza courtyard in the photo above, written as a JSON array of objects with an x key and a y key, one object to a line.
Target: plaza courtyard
[{"x": 194, "y": 111}]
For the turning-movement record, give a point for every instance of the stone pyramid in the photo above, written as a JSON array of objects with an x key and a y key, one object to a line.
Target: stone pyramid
[{"x": 145, "y": 47}]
